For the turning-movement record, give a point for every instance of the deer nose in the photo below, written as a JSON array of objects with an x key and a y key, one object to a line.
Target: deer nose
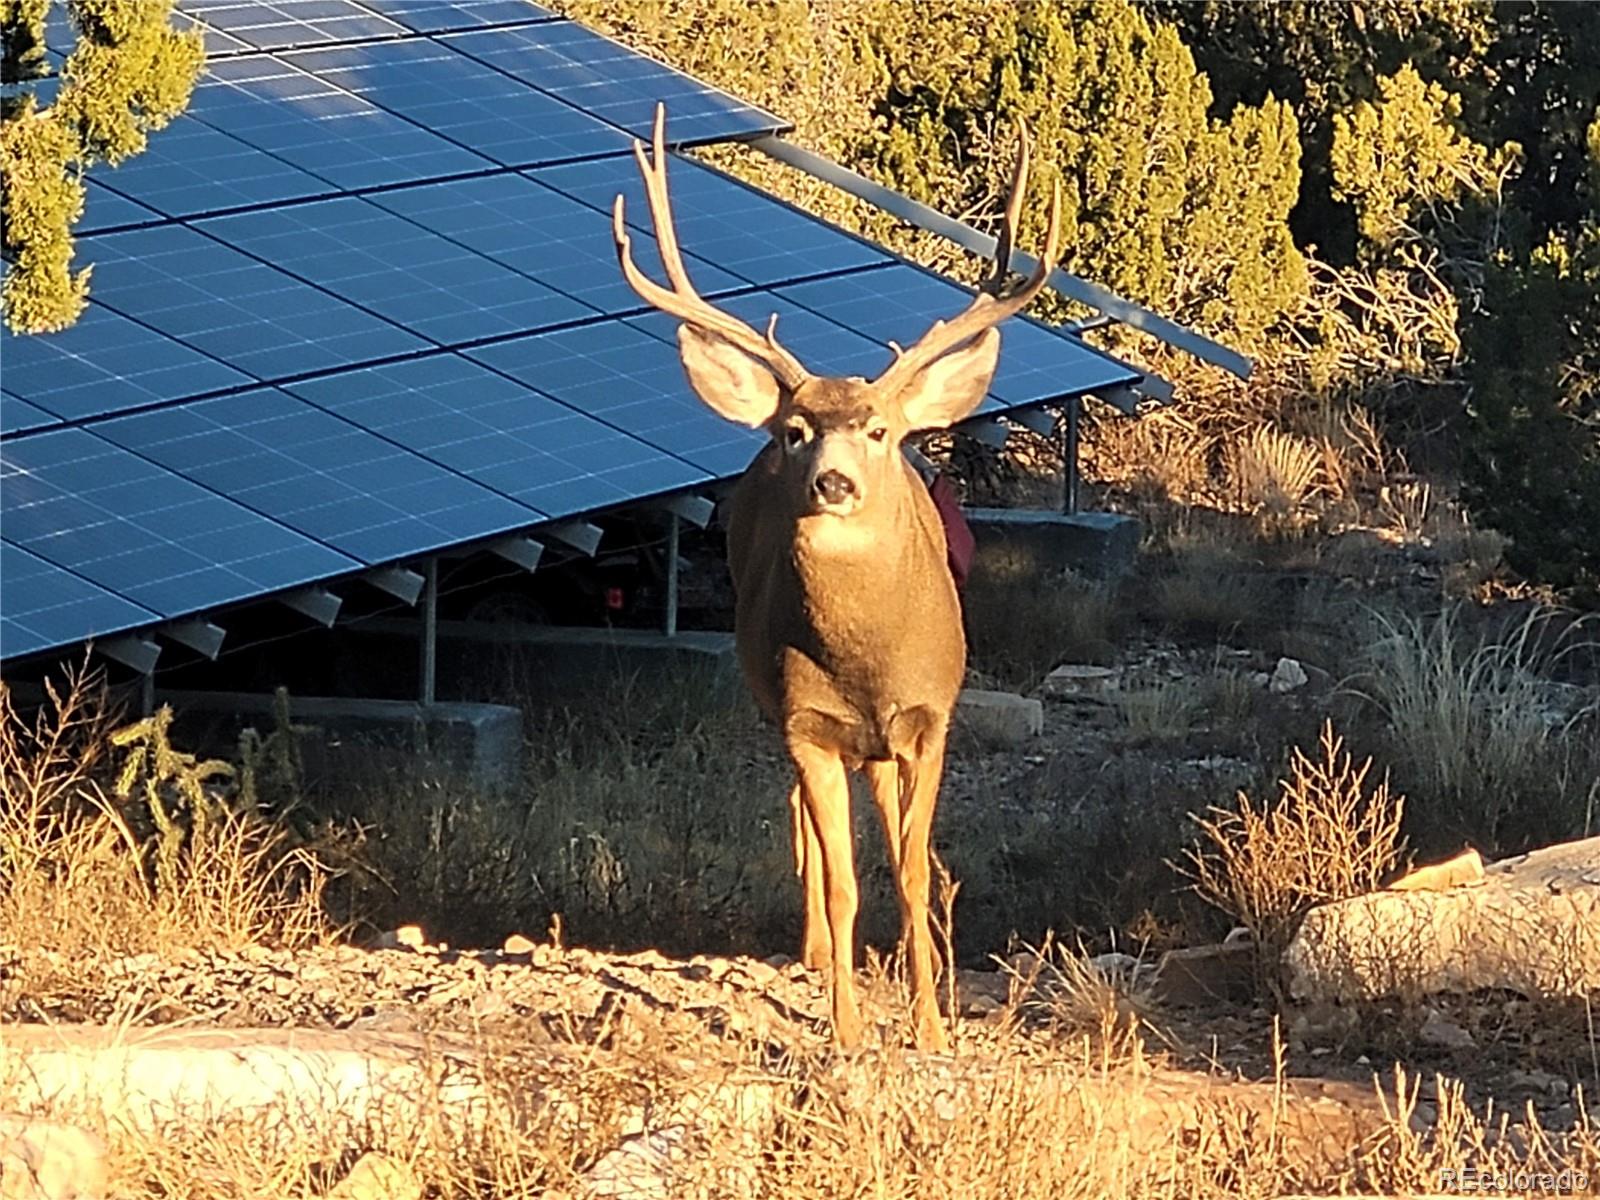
[{"x": 833, "y": 487}]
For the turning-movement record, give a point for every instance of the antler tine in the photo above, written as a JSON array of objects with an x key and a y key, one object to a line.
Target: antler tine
[
  {"x": 1006, "y": 242},
  {"x": 681, "y": 300},
  {"x": 985, "y": 311}
]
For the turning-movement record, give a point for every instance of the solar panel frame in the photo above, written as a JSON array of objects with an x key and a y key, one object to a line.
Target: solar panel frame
[
  {"x": 217, "y": 299},
  {"x": 543, "y": 234},
  {"x": 899, "y": 303},
  {"x": 455, "y": 16},
  {"x": 601, "y": 76},
  {"x": 719, "y": 219},
  {"x": 18, "y": 416},
  {"x": 107, "y": 363},
  {"x": 289, "y": 24},
  {"x": 332, "y": 480},
  {"x": 105, "y": 209},
  {"x": 326, "y": 131},
  {"x": 501, "y": 434},
  {"x": 47, "y": 605},
  {"x": 465, "y": 101},
  {"x": 418, "y": 280},
  {"x": 140, "y": 531}
]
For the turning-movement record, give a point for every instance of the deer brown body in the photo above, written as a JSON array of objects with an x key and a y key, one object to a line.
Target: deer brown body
[{"x": 847, "y": 620}]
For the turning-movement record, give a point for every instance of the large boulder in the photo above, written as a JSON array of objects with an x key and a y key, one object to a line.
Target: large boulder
[{"x": 1530, "y": 925}]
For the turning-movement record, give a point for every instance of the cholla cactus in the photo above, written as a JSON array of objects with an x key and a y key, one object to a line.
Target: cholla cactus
[{"x": 166, "y": 777}]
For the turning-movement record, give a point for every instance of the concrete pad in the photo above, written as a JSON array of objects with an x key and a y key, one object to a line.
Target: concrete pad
[
  {"x": 349, "y": 737},
  {"x": 1098, "y": 544}
]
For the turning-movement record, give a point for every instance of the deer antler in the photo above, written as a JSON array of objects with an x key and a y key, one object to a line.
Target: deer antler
[
  {"x": 681, "y": 300},
  {"x": 987, "y": 308}
]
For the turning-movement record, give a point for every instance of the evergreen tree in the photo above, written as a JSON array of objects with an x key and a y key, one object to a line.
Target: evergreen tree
[
  {"x": 1162, "y": 202},
  {"x": 1533, "y": 462},
  {"x": 129, "y": 73}
]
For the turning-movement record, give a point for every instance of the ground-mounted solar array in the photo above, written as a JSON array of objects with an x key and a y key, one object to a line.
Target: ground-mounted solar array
[{"x": 360, "y": 304}]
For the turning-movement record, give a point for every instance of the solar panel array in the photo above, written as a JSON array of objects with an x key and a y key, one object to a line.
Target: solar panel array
[{"x": 360, "y": 304}]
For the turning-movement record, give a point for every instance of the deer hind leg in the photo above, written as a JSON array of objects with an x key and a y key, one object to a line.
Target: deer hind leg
[
  {"x": 825, "y": 791},
  {"x": 816, "y": 950},
  {"x": 918, "y": 793}
]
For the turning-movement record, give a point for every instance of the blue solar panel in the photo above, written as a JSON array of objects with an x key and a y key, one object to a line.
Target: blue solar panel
[
  {"x": 500, "y": 434},
  {"x": 824, "y": 347},
  {"x": 319, "y": 474},
  {"x": 629, "y": 380},
  {"x": 143, "y": 532},
  {"x": 616, "y": 84},
  {"x": 281, "y": 24},
  {"x": 47, "y": 606},
  {"x": 105, "y": 363},
  {"x": 449, "y": 16},
  {"x": 322, "y": 129},
  {"x": 106, "y": 209},
  {"x": 244, "y": 312},
  {"x": 218, "y": 44},
  {"x": 464, "y": 100},
  {"x": 541, "y": 233},
  {"x": 760, "y": 239},
  {"x": 899, "y": 303},
  {"x": 189, "y": 168},
  {"x": 18, "y": 416},
  {"x": 418, "y": 280}
]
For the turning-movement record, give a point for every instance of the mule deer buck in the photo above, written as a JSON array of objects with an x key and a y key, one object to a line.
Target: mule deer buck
[{"x": 847, "y": 621}]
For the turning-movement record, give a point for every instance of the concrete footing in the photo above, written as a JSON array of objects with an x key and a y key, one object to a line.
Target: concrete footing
[
  {"x": 346, "y": 739},
  {"x": 1101, "y": 545}
]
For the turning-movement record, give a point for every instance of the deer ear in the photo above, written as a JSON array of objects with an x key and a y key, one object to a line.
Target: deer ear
[
  {"x": 732, "y": 384},
  {"x": 949, "y": 388}
]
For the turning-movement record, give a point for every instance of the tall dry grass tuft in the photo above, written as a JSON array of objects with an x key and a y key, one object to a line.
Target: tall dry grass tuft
[
  {"x": 85, "y": 874},
  {"x": 1328, "y": 836},
  {"x": 1273, "y": 475},
  {"x": 1491, "y": 748}
]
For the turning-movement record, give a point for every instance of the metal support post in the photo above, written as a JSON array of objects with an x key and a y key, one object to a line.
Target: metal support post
[
  {"x": 1069, "y": 458},
  {"x": 672, "y": 575},
  {"x": 427, "y": 661}
]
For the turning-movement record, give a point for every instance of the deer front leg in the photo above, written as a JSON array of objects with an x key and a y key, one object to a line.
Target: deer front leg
[
  {"x": 825, "y": 790},
  {"x": 918, "y": 793},
  {"x": 817, "y": 949}
]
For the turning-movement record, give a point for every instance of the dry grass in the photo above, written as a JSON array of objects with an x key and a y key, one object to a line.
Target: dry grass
[
  {"x": 1273, "y": 476},
  {"x": 1490, "y": 748},
  {"x": 82, "y": 871},
  {"x": 1328, "y": 836},
  {"x": 1020, "y": 627}
]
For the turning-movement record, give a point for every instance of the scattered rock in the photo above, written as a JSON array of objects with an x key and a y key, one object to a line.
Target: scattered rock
[
  {"x": 517, "y": 944},
  {"x": 1530, "y": 926},
  {"x": 1206, "y": 974},
  {"x": 1003, "y": 718},
  {"x": 1288, "y": 676},
  {"x": 378, "y": 1176},
  {"x": 49, "y": 1160},
  {"x": 1115, "y": 964},
  {"x": 1439, "y": 1030},
  {"x": 407, "y": 937},
  {"x": 641, "y": 1168},
  {"x": 1080, "y": 681},
  {"x": 1465, "y": 867},
  {"x": 1541, "y": 1081}
]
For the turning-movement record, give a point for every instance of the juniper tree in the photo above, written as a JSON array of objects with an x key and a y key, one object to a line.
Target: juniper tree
[{"x": 129, "y": 73}]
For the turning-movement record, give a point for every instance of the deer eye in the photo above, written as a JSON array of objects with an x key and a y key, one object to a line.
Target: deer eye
[
  {"x": 795, "y": 436},
  {"x": 878, "y": 434}
]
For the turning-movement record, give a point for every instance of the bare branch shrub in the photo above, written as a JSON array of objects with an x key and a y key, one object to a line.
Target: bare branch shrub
[{"x": 1328, "y": 836}]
